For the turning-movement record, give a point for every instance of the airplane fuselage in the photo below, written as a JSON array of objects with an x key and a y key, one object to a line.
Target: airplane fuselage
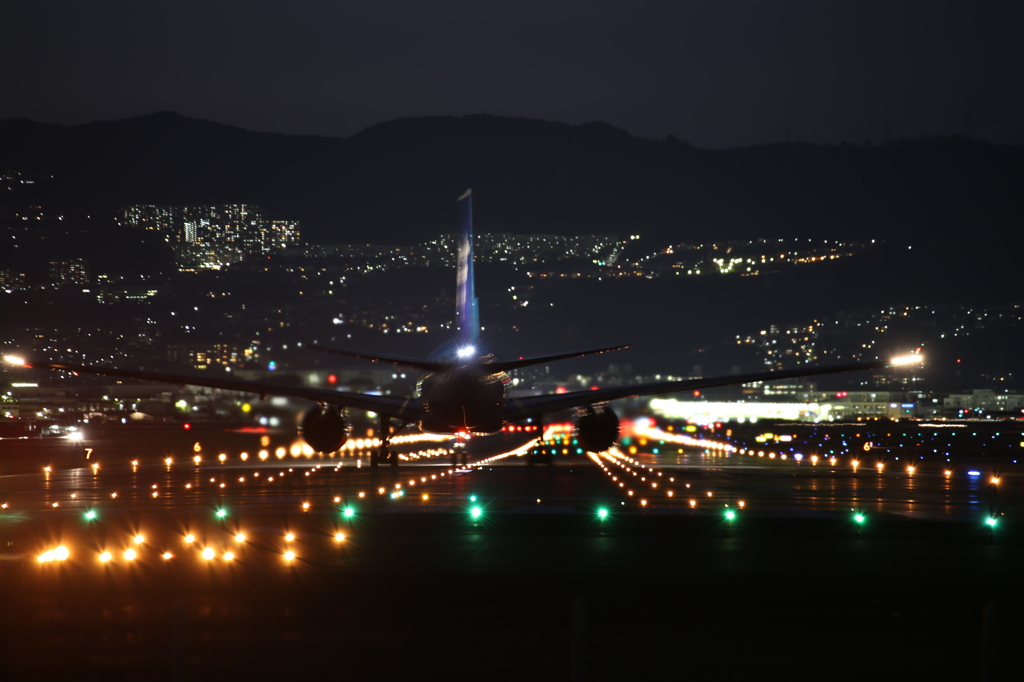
[{"x": 463, "y": 398}]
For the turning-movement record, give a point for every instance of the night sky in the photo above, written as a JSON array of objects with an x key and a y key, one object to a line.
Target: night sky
[{"x": 717, "y": 74}]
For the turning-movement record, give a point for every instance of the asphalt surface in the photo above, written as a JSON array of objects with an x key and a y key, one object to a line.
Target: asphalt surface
[{"x": 534, "y": 583}]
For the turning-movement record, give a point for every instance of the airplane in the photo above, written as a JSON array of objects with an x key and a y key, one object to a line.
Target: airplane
[{"x": 465, "y": 394}]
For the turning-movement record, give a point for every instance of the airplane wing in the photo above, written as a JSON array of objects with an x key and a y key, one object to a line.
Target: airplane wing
[
  {"x": 533, "y": 406},
  {"x": 508, "y": 365},
  {"x": 408, "y": 409}
]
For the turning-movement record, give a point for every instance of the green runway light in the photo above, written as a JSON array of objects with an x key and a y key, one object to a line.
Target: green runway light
[
  {"x": 476, "y": 512},
  {"x": 859, "y": 518},
  {"x": 90, "y": 515},
  {"x": 349, "y": 512},
  {"x": 221, "y": 513},
  {"x": 602, "y": 513},
  {"x": 730, "y": 515},
  {"x": 991, "y": 521},
  {"x": 472, "y": 498}
]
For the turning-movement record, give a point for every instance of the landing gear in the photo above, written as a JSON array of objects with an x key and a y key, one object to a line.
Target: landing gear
[
  {"x": 460, "y": 453},
  {"x": 384, "y": 454}
]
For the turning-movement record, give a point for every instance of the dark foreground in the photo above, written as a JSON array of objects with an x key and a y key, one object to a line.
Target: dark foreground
[
  {"x": 537, "y": 587},
  {"x": 536, "y": 596}
]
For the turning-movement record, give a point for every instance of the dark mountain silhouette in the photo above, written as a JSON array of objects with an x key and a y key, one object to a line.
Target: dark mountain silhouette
[
  {"x": 398, "y": 180},
  {"x": 954, "y": 199}
]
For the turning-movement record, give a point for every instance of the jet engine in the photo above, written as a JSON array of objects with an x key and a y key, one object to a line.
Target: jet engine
[
  {"x": 596, "y": 428},
  {"x": 324, "y": 428}
]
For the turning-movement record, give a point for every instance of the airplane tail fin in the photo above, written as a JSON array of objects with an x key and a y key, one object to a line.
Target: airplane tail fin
[{"x": 467, "y": 312}]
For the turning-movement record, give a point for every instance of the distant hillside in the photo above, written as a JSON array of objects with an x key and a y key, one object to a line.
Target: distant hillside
[{"x": 397, "y": 181}]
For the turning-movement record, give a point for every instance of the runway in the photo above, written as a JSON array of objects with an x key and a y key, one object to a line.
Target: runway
[{"x": 503, "y": 570}]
